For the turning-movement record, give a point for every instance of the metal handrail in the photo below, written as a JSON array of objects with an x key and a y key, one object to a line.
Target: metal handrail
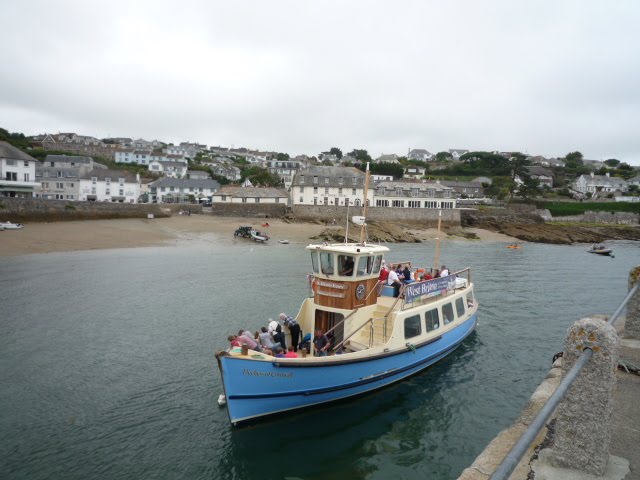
[
  {"x": 511, "y": 460},
  {"x": 352, "y": 334},
  {"x": 340, "y": 322}
]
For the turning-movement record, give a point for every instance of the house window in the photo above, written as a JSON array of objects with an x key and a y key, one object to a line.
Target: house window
[
  {"x": 93, "y": 190},
  {"x": 326, "y": 190},
  {"x": 257, "y": 200},
  {"x": 353, "y": 191},
  {"x": 398, "y": 203},
  {"x": 244, "y": 200},
  {"x": 340, "y": 181},
  {"x": 430, "y": 204},
  {"x": 414, "y": 203},
  {"x": 301, "y": 181},
  {"x": 326, "y": 180},
  {"x": 224, "y": 198},
  {"x": 12, "y": 163},
  {"x": 414, "y": 192},
  {"x": 315, "y": 180},
  {"x": 382, "y": 203},
  {"x": 340, "y": 191},
  {"x": 26, "y": 177},
  {"x": 45, "y": 184},
  {"x": 60, "y": 185},
  {"x": 354, "y": 180},
  {"x": 315, "y": 190},
  {"x": 301, "y": 190},
  {"x": 108, "y": 191},
  {"x": 301, "y": 200},
  {"x": 412, "y": 326},
  {"x": 94, "y": 180},
  {"x": 326, "y": 200},
  {"x": 121, "y": 192},
  {"x": 45, "y": 173},
  {"x": 121, "y": 181},
  {"x": 60, "y": 174},
  {"x": 26, "y": 163},
  {"x": 398, "y": 191},
  {"x": 107, "y": 180},
  {"x": 346, "y": 202},
  {"x": 315, "y": 200},
  {"x": 431, "y": 193}
]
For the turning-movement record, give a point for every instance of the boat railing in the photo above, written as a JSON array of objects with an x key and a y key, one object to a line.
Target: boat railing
[
  {"x": 332, "y": 329},
  {"x": 344, "y": 340}
]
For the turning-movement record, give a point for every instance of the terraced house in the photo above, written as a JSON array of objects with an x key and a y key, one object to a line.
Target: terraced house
[
  {"x": 329, "y": 186},
  {"x": 17, "y": 172},
  {"x": 414, "y": 195}
]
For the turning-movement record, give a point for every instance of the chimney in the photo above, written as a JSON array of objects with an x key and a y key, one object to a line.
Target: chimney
[
  {"x": 593, "y": 175},
  {"x": 138, "y": 177},
  {"x": 607, "y": 174}
]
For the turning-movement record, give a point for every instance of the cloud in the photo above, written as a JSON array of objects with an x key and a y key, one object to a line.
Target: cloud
[{"x": 541, "y": 77}]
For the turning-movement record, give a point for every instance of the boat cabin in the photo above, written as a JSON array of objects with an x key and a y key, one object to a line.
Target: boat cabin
[{"x": 346, "y": 276}]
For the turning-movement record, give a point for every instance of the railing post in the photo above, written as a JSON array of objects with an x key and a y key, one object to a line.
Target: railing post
[
  {"x": 583, "y": 425},
  {"x": 632, "y": 323}
]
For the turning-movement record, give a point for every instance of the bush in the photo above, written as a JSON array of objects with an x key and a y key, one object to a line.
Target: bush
[{"x": 562, "y": 209}]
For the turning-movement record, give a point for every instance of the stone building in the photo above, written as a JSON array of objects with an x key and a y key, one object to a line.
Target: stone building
[
  {"x": 329, "y": 186},
  {"x": 414, "y": 195},
  {"x": 231, "y": 194}
]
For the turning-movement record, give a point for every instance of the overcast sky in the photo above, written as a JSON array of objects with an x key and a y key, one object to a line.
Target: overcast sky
[{"x": 541, "y": 77}]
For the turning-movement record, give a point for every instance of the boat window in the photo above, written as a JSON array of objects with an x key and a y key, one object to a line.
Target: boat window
[
  {"x": 432, "y": 320},
  {"x": 470, "y": 299},
  {"x": 412, "y": 327},
  {"x": 376, "y": 264},
  {"x": 447, "y": 313},
  {"x": 460, "y": 307},
  {"x": 326, "y": 262},
  {"x": 314, "y": 262},
  {"x": 345, "y": 265},
  {"x": 364, "y": 266}
]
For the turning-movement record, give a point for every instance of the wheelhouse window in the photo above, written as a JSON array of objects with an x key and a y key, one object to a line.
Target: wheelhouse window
[
  {"x": 326, "y": 263},
  {"x": 460, "y": 307},
  {"x": 412, "y": 327},
  {"x": 314, "y": 262},
  {"x": 376, "y": 264},
  {"x": 447, "y": 313},
  {"x": 345, "y": 265},
  {"x": 365, "y": 265},
  {"x": 432, "y": 320}
]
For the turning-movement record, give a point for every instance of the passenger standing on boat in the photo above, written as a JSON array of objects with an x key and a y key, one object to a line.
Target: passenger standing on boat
[
  {"x": 394, "y": 281},
  {"x": 384, "y": 272},
  {"x": 444, "y": 271},
  {"x": 321, "y": 342},
  {"x": 275, "y": 329},
  {"x": 294, "y": 329}
]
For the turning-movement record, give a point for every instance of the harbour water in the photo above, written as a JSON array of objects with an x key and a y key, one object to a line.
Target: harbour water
[{"x": 107, "y": 366}]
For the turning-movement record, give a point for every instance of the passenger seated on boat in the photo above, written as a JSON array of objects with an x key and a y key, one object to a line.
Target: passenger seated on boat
[
  {"x": 436, "y": 274},
  {"x": 290, "y": 353},
  {"x": 279, "y": 353},
  {"x": 321, "y": 343},
  {"x": 305, "y": 344},
  {"x": 444, "y": 271},
  {"x": 427, "y": 276},
  {"x": 249, "y": 341},
  {"x": 266, "y": 341},
  {"x": 394, "y": 281},
  {"x": 384, "y": 272},
  {"x": 406, "y": 274},
  {"x": 233, "y": 340}
]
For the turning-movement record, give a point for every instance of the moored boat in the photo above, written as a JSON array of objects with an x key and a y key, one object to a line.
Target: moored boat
[
  {"x": 599, "y": 249},
  {"x": 257, "y": 236},
  {"x": 375, "y": 339},
  {"x": 10, "y": 226}
]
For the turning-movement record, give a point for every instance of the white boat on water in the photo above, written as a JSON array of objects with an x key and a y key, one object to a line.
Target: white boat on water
[
  {"x": 375, "y": 338},
  {"x": 10, "y": 226},
  {"x": 284, "y": 242}
]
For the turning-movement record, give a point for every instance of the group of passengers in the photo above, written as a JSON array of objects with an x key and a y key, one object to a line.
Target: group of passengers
[
  {"x": 271, "y": 339},
  {"x": 401, "y": 275}
]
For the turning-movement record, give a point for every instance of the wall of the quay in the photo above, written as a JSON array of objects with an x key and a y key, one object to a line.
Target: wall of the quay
[
  {"x": 615, "y": 218},
  {"x": 38, "y": 210},
  {"x": 249, "y": 210},
  {"x": 427, "y": 217}
]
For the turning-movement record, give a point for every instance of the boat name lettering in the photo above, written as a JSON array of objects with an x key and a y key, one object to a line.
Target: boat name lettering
[
  {"x": 257, "y": 373},
  {"x": 331, "y": 294},
  {"x": 323, "y": 283},
  {"x": 430, "y": 287}
]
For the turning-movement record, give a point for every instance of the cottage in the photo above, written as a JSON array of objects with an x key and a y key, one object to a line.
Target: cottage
[
  {"x": 233, "y": 194},
  {"x": 456, "y": 153},
  {"x": 414, "y": 195},
  {"x": 104, "y": 185},
  {"x": 168, "y": 168},
  {"x": 181, "y": 190},
  {"x": 465, "y": 189},
  {"x": 597, "y": 184},
  {"x": 420, "y": 154}
]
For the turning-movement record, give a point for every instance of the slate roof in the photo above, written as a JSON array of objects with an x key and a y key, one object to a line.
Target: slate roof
[
  {"x": 332, "y": 173},
  {"x": 9, "y": 151},
  {"x": 253, "y": 192},
  {"x": 166, "y": 164},
  {"x": 186, "y": 183},
  {"x": 114, "y": 175},
  {"x": 539, "y": 171},
  {"x": 457, "y": 184},
  {"x": 68, "y": 159}
]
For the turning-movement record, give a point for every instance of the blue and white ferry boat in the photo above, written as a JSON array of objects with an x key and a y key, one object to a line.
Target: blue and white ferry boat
[{"x": 377, "y": 339}]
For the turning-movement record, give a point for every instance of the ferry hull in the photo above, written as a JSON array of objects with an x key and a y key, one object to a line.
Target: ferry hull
[{"x": 257, "y": 388}]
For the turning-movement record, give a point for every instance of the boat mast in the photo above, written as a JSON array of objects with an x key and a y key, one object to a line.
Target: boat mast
[
  {"x": 436, "y": 260},
  {"x": 346, "y": 233},
  {"x": 364, "y": 211}
]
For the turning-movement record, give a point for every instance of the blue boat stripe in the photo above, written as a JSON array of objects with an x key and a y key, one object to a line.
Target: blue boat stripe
[{"x": 348, "y": 385}]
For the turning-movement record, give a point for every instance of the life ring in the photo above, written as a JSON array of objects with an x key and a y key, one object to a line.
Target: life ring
[{"x": 418, "y": 272}]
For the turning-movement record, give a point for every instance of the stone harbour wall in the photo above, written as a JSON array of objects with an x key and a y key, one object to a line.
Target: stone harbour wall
[
  {"x": 427, "y": 217},
  {"x": 20, "y": 210},
  {"x": 249, "y": 210}
]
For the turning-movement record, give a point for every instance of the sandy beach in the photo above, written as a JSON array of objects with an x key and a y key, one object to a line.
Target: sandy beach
[{"x": 131, "y": 233}]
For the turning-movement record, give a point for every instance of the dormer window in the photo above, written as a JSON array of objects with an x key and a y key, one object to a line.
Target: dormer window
[
  {"x": 354, "y": 180},
  {"x": 340, "y": 181},
  {"x": 315, "y": 180},
  {"x": 398, "y": 191},
  {"x": 108, "y": 180},
  {"x": 301, "y": 179},
  {"x": 326, "y": 180},
  {"x": 414, "y": 192}
]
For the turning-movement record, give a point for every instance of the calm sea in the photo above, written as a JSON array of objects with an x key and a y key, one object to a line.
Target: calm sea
[{"x": 107, "y": 364}]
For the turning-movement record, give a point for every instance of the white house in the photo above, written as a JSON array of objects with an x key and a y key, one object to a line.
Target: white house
[
  {"x": 285, "y": 169},
  {"x": 17, "y": 172},
  {"x": 198, "y": 175},
  {"x": 232, "y": 194},
  {"x": 390, "y": 158},
  {"x": 420, "y": 154},
  {"x": 413, "y": 171},
  {"x": 181, "y": 190},
  {"x": 465, "y": 189},
  {"x": 596, "y": 184},
  {"x": 329, "y": 186},
  {"x": 104, "y": 185},
  {"x": 414, "y": 195},
  {"x": 381, "y": 178},
  {"x": 543, "y": 175},
  {"x": 169, "y": 169},
  {"x": 456, "y": 153}
]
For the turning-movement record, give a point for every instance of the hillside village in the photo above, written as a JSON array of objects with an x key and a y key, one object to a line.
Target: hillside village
[{"x": 73, "y": 167}]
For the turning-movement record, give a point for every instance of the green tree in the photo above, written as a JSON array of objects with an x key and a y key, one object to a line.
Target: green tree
[
  {"x": 282, "y": 157},
  {"x": 336, "y": 151},
  {"x": 530, "y": 188},
  {"x": 499, "y": 188},
  {"x": 612, "y": 162},
  {"x": 361, "y": 156},
  {"x": 260, "y": 177},
  {"x": 18, "y": 140},
  {"x": 443, "y": 156},
  {"x": 575, "y": 158}
]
